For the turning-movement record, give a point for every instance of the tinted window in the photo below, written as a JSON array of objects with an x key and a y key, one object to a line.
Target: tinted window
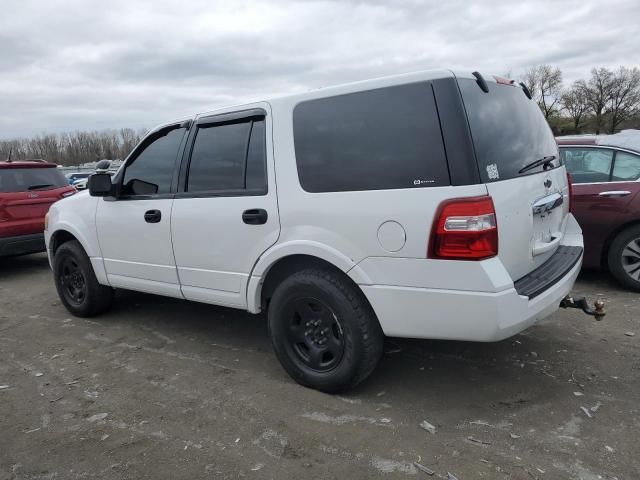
[
  {"x": 228, "y": 157},
  {"x": 626, "y": 167},
  {"x": 378, "y": 139},
  {"x": 151, "y": 171},
  {"x": 31, "y": 179},
  {"x": 508, "y": 130},
  {"x": 588, "y": 165},
  {"x": 257, "y": 158}
]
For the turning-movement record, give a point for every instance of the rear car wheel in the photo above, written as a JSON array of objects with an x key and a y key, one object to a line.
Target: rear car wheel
[
  {"x": 624, "y": 258},
  {"x": 76, "y": 282},
  {"x": 323, "y": 330}
]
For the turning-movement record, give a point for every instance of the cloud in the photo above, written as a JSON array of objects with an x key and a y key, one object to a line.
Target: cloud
[{"x": 77, "y": 64}]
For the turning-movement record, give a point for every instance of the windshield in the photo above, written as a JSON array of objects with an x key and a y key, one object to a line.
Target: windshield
[
  {"x": 30, "y": 179},
  {"x": 509, "y": 131}
]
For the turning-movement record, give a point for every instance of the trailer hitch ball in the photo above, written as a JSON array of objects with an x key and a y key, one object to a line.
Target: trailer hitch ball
[{"x": 598, "y": 311}]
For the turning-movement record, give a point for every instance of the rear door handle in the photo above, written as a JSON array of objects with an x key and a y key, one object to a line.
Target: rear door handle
[
  {"x": 255, "y": 216},
  {"x": 615, "y": 193},
  {"x": 152, "y": 216}
]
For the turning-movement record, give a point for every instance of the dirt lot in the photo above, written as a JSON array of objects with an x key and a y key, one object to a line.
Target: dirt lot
[{"x": 161, "y": 388}]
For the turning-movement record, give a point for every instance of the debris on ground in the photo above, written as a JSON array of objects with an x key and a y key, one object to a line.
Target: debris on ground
[
  {"x": 478, "y": 441},
  {"x": 39, "y": 374},
  {"x": 451, "y": 476},
  {"x": 423, "y": 469},
  {"x": 514, "y": 436},
  {"x": 4, "y": 387},
  {"x": 578, "y": 394},
  {"x": 428, "y": 427},
  {"x": 596, "y": 407},
  {"x": 586, "y": 412},
  {"x": 629, "y": 334}
]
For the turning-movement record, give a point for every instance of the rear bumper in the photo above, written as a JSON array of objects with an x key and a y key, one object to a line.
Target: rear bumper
[
  {"x": 476, "y": 301},
  {"x": 22, "y": 245}
]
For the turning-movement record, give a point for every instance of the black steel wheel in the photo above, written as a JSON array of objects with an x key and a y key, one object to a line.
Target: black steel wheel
[
  {"x": 72, "y": 281},
  {"x": 315, "y": 336},
  {"x": 76, "y": 282},
  {"x": 323, "y": 330}
]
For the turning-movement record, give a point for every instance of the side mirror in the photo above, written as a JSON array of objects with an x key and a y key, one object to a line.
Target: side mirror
[{"x": 99, "y": 185}]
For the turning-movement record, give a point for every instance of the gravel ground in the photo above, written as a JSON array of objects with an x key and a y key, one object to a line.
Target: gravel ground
[{"x": 161, "y": 388}]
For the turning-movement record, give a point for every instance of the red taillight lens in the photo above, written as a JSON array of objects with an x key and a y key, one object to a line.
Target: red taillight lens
[
  {"x": 465, "y": 229},
  {"x": 570, "y": 182}
]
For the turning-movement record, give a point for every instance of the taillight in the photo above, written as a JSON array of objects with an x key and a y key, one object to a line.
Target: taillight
[
  {"x": 465, "y": 229},
  {"x": 570, "y": 182}
]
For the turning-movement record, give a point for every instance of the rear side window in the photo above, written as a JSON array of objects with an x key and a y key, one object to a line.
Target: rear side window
[
  {"x": 31, "y": 179},
  {"x": 508, "y": 130},
  {"x": 387, "y": 138},
  {"x": 229, "y": 156}
]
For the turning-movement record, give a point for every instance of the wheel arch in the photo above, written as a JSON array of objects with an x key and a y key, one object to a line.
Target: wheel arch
[
  {"x": 276, "y": 264},
  {"x": 65, "y": 234}
]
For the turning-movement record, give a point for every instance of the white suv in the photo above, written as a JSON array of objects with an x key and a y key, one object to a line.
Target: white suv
[{"x": 426, "y": 205}]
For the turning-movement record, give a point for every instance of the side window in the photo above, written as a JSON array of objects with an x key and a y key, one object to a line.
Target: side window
[
  {"x": 588, "y": 165},
  {"x": 151, "y": 170},
  {"x": 378, "y": 139},
  {"x": 229, "y": 156},
  {"x": 626, "y": 167}
]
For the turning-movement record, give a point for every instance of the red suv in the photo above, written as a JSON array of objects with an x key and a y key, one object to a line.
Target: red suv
[{"x": 27, "y": 189}]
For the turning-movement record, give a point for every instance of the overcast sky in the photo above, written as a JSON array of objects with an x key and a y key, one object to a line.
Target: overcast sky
[{"x": 70, "y": 65}]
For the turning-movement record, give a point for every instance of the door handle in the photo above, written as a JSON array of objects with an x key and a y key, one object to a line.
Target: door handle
[
  {"x": 255, "y": 216},
  {"x": 615, "y": 193},
  {"x": 152, "y": 216}
]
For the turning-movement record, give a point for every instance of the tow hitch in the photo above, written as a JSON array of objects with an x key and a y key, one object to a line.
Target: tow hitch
[{"x": 597, "y": 311}]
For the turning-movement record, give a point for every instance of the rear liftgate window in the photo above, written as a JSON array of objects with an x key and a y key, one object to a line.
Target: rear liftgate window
[
  {"x": 508, "y": 130},
  {"x": 387, "y": 138}
]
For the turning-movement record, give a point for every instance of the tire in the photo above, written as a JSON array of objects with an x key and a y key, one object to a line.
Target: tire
[
  {"x": 624, "y": 258},
  {"x": 76, "y": 282},
  {"x": 324, "y": 332}
]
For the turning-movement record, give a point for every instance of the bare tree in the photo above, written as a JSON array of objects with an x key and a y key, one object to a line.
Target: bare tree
[
  {"x": 624, "y": 101},
  {"x": 73, "y": 148},
  {"x": 597, "y": 91},
  {"x": 574, "y": 102},
  {"x": 545, "y": 84}
]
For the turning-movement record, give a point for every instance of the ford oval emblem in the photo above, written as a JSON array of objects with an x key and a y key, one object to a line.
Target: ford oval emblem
[{"x": 547, "y": 183}]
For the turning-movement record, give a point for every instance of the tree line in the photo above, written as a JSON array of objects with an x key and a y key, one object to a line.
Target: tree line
[
  {"x": 73, "y": 148},
  {"x": 606, "y": 102}
]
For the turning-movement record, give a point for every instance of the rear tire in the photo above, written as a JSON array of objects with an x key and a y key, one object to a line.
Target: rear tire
[
  {"x": 324, "y": 332},
  {"x": 624, "y": 258},
  {"x": 76, "y": 282}
]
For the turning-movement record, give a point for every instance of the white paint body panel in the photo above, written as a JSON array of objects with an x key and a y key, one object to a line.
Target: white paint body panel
[{"x": 201, "y": 250}]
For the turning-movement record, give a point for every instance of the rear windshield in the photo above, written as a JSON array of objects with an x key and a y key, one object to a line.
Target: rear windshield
[
  {"x": 508, "y": 130},
  {"x": 30, "y": 179}
]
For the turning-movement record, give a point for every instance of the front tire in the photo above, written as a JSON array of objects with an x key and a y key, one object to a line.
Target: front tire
[
  {"x": 624, "y": 258},
  {"x": 76, "y": 282},
  {"x": 323, "y": 330}
]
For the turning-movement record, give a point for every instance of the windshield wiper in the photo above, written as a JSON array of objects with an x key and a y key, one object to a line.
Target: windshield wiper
[
  {"x": 544, "y": 161},
  {"x": 38, "y": 187}
]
